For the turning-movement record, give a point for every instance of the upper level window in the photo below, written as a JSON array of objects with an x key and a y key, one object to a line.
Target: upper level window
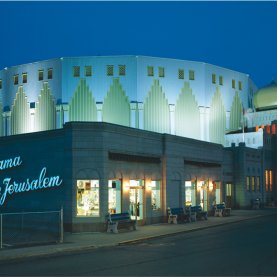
[
  {"x": 50, "y": 73},
  {"x": 150, "y": 70},
  {"x": 233, "y": 83},
  {"x": 109, "y": 70},
  {"x": 161, "y": 71},
  {"x": 213, "y": 78},
  {"x": 191, "y": 75},
  {"x": 122, "y": 70},
  {"x": 181, "y": 74},
  {"x": 24, "y": 78},
  {"x": 240, "y": 85},
  {"x": 88, "y": 71},
  {"x": 247, "y": 183},
  {"x": 40, "y": 75},
  {"x": 0, "y": 84},
  {"x": 76, "y": 71},
  {"x": 221, "y": 80},
  {"x": 15, "y": 79}
]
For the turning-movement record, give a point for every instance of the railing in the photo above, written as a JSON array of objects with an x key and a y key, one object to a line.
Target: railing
[{"x": 31, "y": 228}]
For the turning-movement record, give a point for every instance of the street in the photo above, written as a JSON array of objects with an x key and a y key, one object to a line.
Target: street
[{"x": 245, "y": 248}]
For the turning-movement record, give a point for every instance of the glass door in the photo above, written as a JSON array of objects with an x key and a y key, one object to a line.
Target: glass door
[{"x": 136, "y": 203}]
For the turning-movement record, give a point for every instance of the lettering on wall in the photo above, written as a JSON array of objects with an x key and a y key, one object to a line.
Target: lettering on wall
[{"x": 10, "y": 186}]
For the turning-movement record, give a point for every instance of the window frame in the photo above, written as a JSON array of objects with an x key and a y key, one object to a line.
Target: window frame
[{"x": 50, "y": 73}]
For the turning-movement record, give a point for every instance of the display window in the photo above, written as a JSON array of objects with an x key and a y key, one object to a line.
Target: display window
[
  {"x": 114, "y": 196},
  {"x": 155, "y": 195},
  {"x": 87, "y": 197},
  {"x": 190, "y": 193}
]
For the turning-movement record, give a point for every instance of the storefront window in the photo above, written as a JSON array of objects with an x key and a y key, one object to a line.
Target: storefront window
[
  {"x": 155, "y": 195},
  {"x": 190, "y": 193},
  {"x": 114, "y": 196},
  {"x": 88, "y": 198}
]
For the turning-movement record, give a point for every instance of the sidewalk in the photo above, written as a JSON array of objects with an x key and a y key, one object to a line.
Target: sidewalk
[{"x": 83, "y": 241}]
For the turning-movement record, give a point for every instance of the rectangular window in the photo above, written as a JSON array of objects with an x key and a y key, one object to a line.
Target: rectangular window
[
  {"x": 266, "y": 180},
  {"x": 76, "y": 71},
  {"x": 161, "y": 71},
  {"x": 240, "y": 85},
  {"x": 15, "y": 79},
  {"x": 155, "y": 195},
  {"x": 247, "y": 183},
  {"x": 88, "y": 71},
  {"x": 122, "y": 70},
  {"x": 24, "y": 78},
  {"x": 50, "y": 73},
  {"x": 233, "y": 83},
  {"x": 40, "y": 75},
  {"x": 228, "y": 189},
  {"x": 253, "y": 183},
  {"x": 109, "y": 70},
  {"x": 190, "y": 193},
  {"x": 221, "y": 80},
  {"x": 150, "y": 70},
  {"x": 0, "y": 84},
  {"x": 114, "y": 196},
  {"x": 87, "y": 197},
  {"x": 213, "y": 78},
  {"x": 270, "y": 181},
  {"x": 191, "y": 75},
  {"x": 181, "y": 74}
]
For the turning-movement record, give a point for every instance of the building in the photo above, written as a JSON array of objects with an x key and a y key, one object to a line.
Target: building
[{"x": 129, "y": 133}]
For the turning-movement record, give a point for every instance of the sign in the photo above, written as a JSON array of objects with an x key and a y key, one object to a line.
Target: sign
[{"x": 10, "y": 186}]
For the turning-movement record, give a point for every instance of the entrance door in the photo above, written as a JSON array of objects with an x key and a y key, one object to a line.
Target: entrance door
[
  {"x": 136, "y": 203},
  {"x": 204, "y": 197}
]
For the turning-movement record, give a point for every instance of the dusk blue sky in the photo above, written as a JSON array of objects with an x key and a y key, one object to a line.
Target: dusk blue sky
[{"x": 238, "y": 35}]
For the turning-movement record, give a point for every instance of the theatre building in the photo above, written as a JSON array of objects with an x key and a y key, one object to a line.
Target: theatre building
[
  {"x": 98, "y": 135},
  {"x": 92, "y": 168}
]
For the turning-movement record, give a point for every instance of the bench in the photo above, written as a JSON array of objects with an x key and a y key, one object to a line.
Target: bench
[
  {"x": 118, "y": 221},
  {"x": 221, "y": 210},
  {"x": 198, "y": 213},
  {"x": 177, "y": 215}
]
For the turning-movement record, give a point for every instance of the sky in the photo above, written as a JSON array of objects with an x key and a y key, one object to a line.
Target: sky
[{"x": 237, "y": 35}]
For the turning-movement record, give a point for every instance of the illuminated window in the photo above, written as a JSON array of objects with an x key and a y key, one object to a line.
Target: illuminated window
[
  {"x": 114, "y": 196},
  {"x": 155, "y": 195},
  {"x": 161, "y": 71},
  {"x": 0, "y": 84},
  {"x": 266, "y": 180},
  {"x": 181, "y": 74},
  {"x": 213, "y": 78},
  {"x": 233, "y": 83},
  {"x": 122, "y": 70},
  {"x": 191, "y": 75},
  {"x": 15, "y": 79},
  {"x": 50, "y": 73},
  {"x": 258, "y": 183},
  {"x": 109, "y": 70},
  {"x": 247, "y": 183},
  {"x": 40, "y": 75},
  {"x": 253, "y": 183},
  {"x": 76, "y": 71},
  {"x": 150, "y": 70},
  {"x": 221, "y": 80},
  {"x": 228, "y": 189},
  {"x": 88, "y": 198},
  {"x": 190, "y": 193},
  {"x": 240, "y": 85},
  {"x": 88, "y": 71},
  {"x": 24, "y": 78},
  {"x": 270, "y": 180}
]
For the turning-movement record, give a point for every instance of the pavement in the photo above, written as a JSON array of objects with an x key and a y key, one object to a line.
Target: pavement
[{"x": 74, "y": 242}]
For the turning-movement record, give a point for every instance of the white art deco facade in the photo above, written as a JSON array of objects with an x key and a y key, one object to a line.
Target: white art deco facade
[{"x": 184, "y": 98}]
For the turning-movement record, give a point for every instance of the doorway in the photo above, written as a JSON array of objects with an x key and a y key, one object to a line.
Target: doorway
[{"x": 136, "y": 200}]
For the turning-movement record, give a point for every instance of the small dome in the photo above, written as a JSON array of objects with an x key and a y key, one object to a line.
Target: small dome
[{"x": 266, "y": 97}]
